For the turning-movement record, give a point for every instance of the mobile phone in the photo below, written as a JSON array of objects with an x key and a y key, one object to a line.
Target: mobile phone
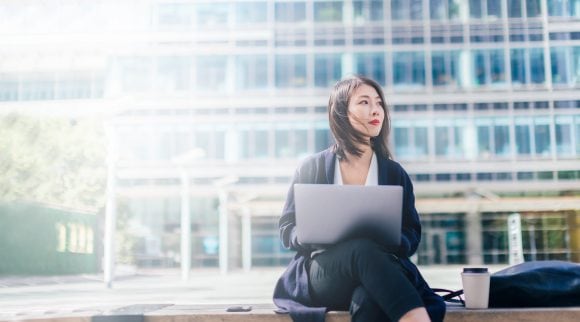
[{"x": 239, "y": 309}]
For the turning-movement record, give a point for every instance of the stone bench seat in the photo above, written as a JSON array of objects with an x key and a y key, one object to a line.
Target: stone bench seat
[{"x": 265, "y": 313}]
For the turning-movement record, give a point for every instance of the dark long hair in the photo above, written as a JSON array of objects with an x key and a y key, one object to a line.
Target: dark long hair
[{"x": 346, "y": 136}]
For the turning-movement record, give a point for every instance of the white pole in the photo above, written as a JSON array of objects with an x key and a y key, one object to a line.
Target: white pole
[
  {"x": 185, "y": 227},
  {"x": 110, "y": 214},
  {"x": 516, "y": 253},
  {"x": 246, "y": 239},
  {"x": 223, "y": 232}
]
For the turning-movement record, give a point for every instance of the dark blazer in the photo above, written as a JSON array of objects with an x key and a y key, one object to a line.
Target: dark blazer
[{"x": 291, "y": 294}]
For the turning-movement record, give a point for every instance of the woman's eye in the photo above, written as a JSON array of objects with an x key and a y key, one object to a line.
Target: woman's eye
[{"x": 364, "y": 102}]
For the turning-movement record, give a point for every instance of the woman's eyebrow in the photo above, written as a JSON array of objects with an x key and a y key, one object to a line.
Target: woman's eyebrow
[{"x": 366, "y": 96}]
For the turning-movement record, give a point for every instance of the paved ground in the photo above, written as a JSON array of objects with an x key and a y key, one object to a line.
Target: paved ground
[{"x": 21, "y": 297}]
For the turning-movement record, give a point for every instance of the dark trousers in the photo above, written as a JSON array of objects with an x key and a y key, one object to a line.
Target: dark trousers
[{"x": 359, "y": 276}]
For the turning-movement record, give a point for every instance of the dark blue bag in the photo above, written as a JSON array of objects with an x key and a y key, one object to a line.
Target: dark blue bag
[{"x": 536, "y": 284}]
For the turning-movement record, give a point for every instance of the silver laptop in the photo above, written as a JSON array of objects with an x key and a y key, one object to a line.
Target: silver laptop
[{"x": 327, "y": 213}]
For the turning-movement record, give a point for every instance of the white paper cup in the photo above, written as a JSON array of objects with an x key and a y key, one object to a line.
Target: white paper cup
[{"x": 476, "y": 287}]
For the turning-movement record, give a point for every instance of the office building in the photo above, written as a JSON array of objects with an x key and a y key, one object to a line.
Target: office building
[{"x": 220, "y": 100}]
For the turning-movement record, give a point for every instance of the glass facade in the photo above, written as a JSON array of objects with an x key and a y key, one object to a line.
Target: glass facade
[{"x": 545, "y": 236}]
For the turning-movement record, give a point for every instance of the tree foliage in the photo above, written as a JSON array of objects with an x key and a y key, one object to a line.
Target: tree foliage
[{"x": 53, "y": 160}]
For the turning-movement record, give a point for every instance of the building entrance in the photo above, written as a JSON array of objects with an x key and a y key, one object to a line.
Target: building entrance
[{"x": 442, "y": 240}]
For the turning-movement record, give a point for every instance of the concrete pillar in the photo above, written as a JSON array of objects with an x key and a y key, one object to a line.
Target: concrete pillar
[
  {"x": 473, "y": 234},
  {"x": 185, "y": 227},
  {"x": 223, "y": 231},
  {"x": 246, "y": 239}
]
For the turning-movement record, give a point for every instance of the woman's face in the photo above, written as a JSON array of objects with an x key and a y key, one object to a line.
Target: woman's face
[{"x": 365, "y": 111}]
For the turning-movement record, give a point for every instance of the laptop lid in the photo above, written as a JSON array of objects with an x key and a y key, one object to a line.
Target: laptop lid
[{"x": 326, "y": 213}]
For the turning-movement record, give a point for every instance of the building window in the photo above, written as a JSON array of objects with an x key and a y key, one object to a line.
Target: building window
[
  {"x": 37, "y": 89},
  {"x": 173, "y": 73},
  {"x": 545, "y": 175},
  {"x": 463, "y": 176},
  {"x": 461, "y": 139},
  {"x": 214, "y": 15},
  {"x": 564, "y": 135},
  {"x": 523, "y": 136},
  {"x": 442, "y": 141},
  {"x": 8, "y": 88},
  {"x": 328, "y": 11},
  {"x": 327, "y": 69},
  {"x": 515, "y": 8},
  {"x": 371, "y": 65},
  {"x": 538, "y": 70},
  {"x": 445, "y": 67},
  {"x": 503, "y": 176},
  {"x": 211, "y": 72},
  {"x": 565, "y": 65},
  {"x": 300, "y": 143},
  {"x": 568, "y": 175},
  {"x": 253, "y": 12},
  {"x": 251, "y": 71},
  {"x": 290, "y": 11},
  {"x": 261, "y": 146},
  {"x": 443, "y": 177},
  {"x": 421, "y": 142},
  {"x": 290, "y": 71},
  {"x": 72, "y": 87},
  {"x": 367, "y": 10},
  {"x": 243, "y": 144},
  {"x": 445, "y": 9},
  {"x": 267, "y": 250},
  {"x": 564, "y": 8},
  {"x": 484, "y": 176},
  {"x": 484, "y": 141},
  {"x": 402, "y": 142},
  {"x": 533, "y": 8},
  {"x": 175, "y": 14},
  {"x": 282, "y": 145},
  {"x": 409, "y": 70},
  {"x": 406, "y": 10},
  {"x": 219, "y": 145},
  {"x": 490, "y": 9},
  {"x": 422, "y": 177},
  {"x": 502, "y": 141},
  {"x": 489, "y": 67},
  {"x": 560, "y": 68},
  {"x": 497, "y": 66},
  {"x": 203, "y": 141},
  {"x": 542, "y": 136},
  {"x": 518, "y": 62},
  {"x": 322, "y": 139}
]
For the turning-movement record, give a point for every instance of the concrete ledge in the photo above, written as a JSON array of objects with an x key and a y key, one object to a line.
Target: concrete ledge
[
  {"x": 264, "y": 312},
  {"x": 174, "y": 314}
]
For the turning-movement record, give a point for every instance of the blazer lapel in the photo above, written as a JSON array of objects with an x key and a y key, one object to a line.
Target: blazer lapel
[
  {"x": 383, "y": 171},
  {"x": 329, "y": 162}
]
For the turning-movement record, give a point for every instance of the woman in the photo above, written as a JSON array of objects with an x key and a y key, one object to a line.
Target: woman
[{"x": 373, "y": 281}]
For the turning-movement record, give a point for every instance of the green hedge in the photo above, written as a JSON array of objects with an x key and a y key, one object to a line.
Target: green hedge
[{"x": 38, "y": 240}]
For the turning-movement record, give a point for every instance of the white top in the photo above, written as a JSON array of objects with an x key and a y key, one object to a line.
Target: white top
[
  {"x": 372, "y": 175},
  {"x": 372, "y": 180}
]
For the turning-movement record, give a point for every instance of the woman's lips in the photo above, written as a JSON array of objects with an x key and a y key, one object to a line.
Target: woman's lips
[{"x": 375, "y": 122}]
